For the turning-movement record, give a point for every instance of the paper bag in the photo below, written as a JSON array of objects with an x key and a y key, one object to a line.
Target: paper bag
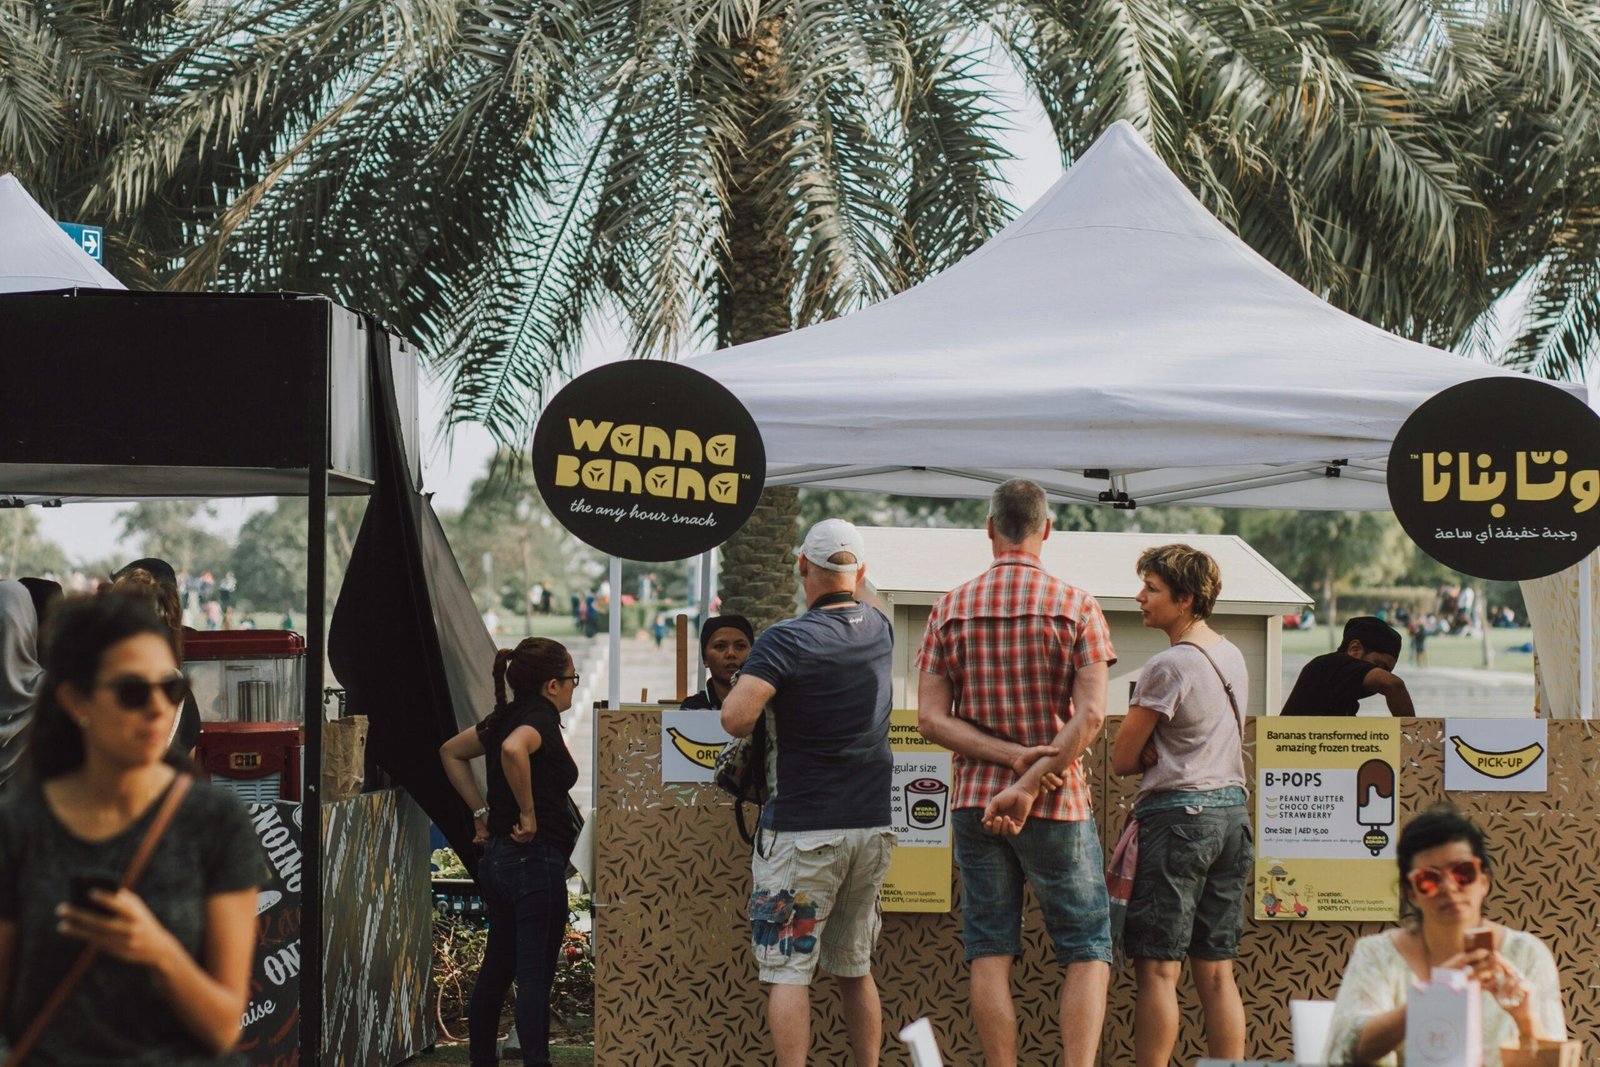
[
  {"x": 344, "y": 756},
  {"x": 1444, "y": 1021},
  {"x": 1542, "y": 1052}
]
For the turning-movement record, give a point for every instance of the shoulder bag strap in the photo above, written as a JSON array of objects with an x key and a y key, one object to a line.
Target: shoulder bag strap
[
  {"x": 80, "y": 966},
  {"x": 1227, "y": 686}
]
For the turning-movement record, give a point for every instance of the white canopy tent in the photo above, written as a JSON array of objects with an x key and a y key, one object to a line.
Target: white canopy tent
[
  {"x": 36, "y": 254},
  {"x": 1116, "y": 344},
  {"x": 1115, "y": 328}
]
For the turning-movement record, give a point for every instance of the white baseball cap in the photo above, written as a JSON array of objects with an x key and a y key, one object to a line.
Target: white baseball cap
[{"x": 829, "y": 537}]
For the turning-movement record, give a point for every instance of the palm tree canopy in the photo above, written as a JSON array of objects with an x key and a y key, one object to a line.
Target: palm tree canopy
[{"x": 494, "y": 176}]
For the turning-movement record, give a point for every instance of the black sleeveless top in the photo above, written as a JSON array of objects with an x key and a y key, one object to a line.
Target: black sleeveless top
[{"x": 551, "y": 769}]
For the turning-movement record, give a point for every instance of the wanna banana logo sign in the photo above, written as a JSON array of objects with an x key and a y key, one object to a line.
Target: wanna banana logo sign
[
  {"x": 1496, "y": 756},
  {"x": 1500, "y": 478},
  {"x": 648, "y": 460}
]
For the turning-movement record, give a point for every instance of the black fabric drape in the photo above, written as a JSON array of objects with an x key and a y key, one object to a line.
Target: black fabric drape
[{"x": 406, "y": 639}]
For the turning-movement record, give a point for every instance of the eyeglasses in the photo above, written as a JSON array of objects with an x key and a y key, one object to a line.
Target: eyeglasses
[
  {"x": 573, "y": 677},
  {"x": 133, "y": 692},
  {"x": 1429, "y": 880}
]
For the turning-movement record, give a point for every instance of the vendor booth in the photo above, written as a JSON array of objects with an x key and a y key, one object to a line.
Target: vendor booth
[
  {"x": 1119, "y": 346},
  {"x": 113, "y": 395}
]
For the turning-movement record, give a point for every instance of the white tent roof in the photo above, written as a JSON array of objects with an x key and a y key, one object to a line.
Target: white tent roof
[
  {"x": 1116, "y": 327},
  {"x": 36, "y": 254}
]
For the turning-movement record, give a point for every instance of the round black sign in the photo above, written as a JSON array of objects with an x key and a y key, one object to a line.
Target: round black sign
[
  {"x": 648, "y": 460},
  {"x": 1499, "y": 478}
]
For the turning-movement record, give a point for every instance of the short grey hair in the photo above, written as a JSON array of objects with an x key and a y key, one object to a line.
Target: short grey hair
[{"x": 1019, "y": 510}]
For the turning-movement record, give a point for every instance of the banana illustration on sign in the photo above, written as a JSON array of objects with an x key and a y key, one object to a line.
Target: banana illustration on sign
[
  {"x": 1498, "y": 764},
  {"x": 702, "y": 753}
]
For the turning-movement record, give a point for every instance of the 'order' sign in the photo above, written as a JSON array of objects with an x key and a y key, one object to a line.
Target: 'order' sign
[{"x": 648, "y": 460}]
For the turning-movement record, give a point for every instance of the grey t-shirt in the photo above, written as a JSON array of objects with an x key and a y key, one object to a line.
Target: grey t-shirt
[
  {"x": 1199, "y": 742},
  {"x": 116, "y": 1014}
]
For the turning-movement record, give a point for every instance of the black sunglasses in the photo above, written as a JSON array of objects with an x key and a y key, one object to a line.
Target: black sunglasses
[{"x": 133, "y": 692}]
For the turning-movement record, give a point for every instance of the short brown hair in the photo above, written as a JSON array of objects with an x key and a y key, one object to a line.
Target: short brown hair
[
  {"x": 1186, "y": 571},
  {"x": 1019, "y": 510}
]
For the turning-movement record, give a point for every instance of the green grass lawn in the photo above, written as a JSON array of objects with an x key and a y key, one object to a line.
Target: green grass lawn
[{"x": 1443, "y": 650}]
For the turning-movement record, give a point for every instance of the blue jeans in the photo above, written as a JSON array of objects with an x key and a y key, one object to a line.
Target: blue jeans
[
  {"x": 1061, "y": 860},
  {"x": 525, "y": 889}
]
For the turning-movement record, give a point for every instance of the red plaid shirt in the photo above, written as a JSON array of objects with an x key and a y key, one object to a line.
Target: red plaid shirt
[{"x": 1010, "y": 642}]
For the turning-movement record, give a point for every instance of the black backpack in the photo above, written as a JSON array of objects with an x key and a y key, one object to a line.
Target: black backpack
[{"x": 741, "y": 772}]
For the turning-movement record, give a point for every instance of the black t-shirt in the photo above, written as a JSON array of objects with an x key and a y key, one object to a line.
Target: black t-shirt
[
  {"x": 1329, "y": 685},
  {"x": 552, "y": 772},
  {"x": 116, "y": 1014},
  {"x": 705, "y": 700},
  {"x": 831, "y": 669}
]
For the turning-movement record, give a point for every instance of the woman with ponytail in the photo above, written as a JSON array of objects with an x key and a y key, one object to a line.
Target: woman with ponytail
[{"x": 527, "y": 831}]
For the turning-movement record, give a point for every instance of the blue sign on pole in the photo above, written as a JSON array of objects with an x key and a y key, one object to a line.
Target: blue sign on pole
[{"x": 92, "y": 239}]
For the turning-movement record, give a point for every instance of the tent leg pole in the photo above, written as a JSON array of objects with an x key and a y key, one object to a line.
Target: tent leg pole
[
  {"x": 1586, "y": 638},
  {"x": 311, "y": 1006},
  {"x": 707, "y": 561},
  {"x": 614, "y": 675}
]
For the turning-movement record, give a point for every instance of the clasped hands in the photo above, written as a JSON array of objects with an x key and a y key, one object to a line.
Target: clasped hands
[{"x": 1008, "y": 811}]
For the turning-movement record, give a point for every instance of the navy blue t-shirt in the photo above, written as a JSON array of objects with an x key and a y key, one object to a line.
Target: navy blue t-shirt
[{"x": 830, "y": 717}]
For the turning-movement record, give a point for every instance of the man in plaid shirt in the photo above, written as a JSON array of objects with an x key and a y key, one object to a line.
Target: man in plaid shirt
[{"x": 1013, "y": 677}]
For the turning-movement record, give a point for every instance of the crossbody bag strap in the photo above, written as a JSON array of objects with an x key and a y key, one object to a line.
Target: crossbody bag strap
[
  {"x": 1227, "y": 686},
  {"x": 80, "y": 966}
]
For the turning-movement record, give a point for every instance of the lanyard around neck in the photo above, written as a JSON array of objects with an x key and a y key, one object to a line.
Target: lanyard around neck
[{"x": 827, "y": 600}]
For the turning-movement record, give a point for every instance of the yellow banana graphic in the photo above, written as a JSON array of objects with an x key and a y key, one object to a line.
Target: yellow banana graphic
[
  {"x": 1498, "y": 764},
  {"x": 703, "y": 753}
]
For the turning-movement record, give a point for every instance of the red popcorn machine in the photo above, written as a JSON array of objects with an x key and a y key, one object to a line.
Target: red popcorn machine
[{"x": 250, "y": 688}]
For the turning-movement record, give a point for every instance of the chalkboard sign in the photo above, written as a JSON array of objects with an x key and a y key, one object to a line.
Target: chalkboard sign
[{"x": 271, "y": 1035}]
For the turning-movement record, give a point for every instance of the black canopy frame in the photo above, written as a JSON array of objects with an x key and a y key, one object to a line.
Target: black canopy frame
[{"x": 118, "y": 395}]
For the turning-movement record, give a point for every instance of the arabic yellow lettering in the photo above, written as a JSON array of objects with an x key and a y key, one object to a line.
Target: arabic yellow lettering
[
  {"x": 1486, "y": 486},
  {"x": 1586, "y": 488},
  {"x": 1435, "y": 487},
  {"x": 1530, "y": 490}
]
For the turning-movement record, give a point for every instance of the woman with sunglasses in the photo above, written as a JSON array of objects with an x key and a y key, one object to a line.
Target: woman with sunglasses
[
  {"x": 1444, "y": 871},
  {"x": 528, "y": 832},
  {"x": 172, "y": 976}
]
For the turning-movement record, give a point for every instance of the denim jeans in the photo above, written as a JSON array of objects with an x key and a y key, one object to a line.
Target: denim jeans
[
  {"x": 1061, "y": 860},
  {"x": 525, "y": 889}
]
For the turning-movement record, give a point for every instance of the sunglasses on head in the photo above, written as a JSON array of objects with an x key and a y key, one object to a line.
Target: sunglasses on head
[
  {"x": 133, "y": 692},
  {"x": 1429, "y": 880}
]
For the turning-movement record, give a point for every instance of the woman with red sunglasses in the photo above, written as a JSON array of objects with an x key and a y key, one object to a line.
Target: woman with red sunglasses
[{"x": 1444, "y": 872}]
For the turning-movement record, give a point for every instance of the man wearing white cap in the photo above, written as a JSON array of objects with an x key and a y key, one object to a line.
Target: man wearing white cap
[{"x": 822, "y": 681}]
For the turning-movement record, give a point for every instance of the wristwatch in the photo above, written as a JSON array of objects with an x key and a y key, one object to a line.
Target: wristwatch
[{"x": 481, "y": 812}]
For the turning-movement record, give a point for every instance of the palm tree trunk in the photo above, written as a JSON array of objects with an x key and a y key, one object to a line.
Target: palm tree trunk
[{"x": 758, "y": 569}]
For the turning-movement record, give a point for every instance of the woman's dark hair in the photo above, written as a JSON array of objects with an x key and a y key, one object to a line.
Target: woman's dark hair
[
  {"x": 82, "y": 629},
  {"x": 1441, "y": 824},
  {"x": 532, "y": 663},
  {"x": 162, "y": 598}
]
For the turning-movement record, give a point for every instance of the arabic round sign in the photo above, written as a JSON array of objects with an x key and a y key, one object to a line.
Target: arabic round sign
[
  {"x": 648, "y": 460},
  {"x": 1500, "y": 478}
]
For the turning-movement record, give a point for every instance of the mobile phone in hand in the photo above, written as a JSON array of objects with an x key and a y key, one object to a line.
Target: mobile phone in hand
[
  {"x": 79, "y": 886},
  {"x": 1480, "y": 937}
]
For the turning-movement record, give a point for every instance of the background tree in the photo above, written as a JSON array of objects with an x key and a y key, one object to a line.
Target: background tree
[
  {"x": 24, "y": 551},
  {"x": 172, "y": 530},
  {"x": 269, "y": 556},
  {"x": 495, "y": 176}
]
